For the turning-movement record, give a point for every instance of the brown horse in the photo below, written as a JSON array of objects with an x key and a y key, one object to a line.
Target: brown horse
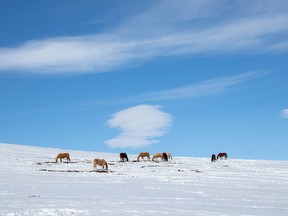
[
  {"x": 123, "y": 156},
  {"x": 100, "y": 162},
  {"x": 213, "y": 158},
  {"x": 222, "y": 154},
  {"x": 63, "y": 155},
  {"x": 142, "y": 155},
  {"x": 156, "y": 155}
]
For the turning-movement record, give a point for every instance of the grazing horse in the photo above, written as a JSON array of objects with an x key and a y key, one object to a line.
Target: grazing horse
[
  {"x": 169, "y": 156},
  {"x": 213, "y": 158},
  {"x": 164, "y": 156},
  {"x": 100, "y": 162},
  {"x": 156, "y": 155},
  {"x": 63, "y": 155},
  {"x": 142, "y": 155},
  {"x": 123, "y": 156},
  {"x": 222, "y": 154}
]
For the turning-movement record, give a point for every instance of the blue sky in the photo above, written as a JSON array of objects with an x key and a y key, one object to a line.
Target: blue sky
[{"x": 188, "y": 77}]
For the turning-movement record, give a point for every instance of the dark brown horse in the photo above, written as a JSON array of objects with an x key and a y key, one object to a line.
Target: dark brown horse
[
  {"x": 221, "y": 155},
  {"x": 123, "y": 157},
  {"x": 164, "y": 156},
  {"x": 213, "y": 158}
]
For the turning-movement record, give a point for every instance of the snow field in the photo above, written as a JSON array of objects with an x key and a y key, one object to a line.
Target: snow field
[{"x": 32, "y": 184}]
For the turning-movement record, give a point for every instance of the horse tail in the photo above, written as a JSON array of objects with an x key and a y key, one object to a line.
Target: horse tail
[
  {"x": 68, "y": 157},
  {"x": 106, "y": 165}
]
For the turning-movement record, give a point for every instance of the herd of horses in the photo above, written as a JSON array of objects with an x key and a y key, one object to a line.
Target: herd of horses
[
  {"x": 123, "y": 157},
  {"x": 220, "y": 155},
  {"x": 163, "y": 156}
]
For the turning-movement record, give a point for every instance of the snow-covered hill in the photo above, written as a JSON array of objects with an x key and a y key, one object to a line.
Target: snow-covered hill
[{"x": 32, "y": 184}]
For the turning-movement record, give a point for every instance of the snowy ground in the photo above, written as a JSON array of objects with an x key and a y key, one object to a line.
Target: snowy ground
[{"x": 31, "y": 184}]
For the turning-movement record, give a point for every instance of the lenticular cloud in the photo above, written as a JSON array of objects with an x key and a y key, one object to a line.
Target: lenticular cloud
[{"x": 139, "y": 126}]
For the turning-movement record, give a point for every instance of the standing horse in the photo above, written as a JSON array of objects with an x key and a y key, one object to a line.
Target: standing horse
[
  {"x": 100, "y": 162},
  {"x": 123, "y": 156},
  {"x": 63, "y": 155},
  {"x": 222, "y": 154},
  {"x": 213, "y": 158},
  {"x": 164, "y": 156},
  {"x": 142, "y": 155}
]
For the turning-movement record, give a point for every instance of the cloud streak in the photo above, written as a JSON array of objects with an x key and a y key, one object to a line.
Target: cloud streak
[
  {"x": 138, "y": 126},
  {"x": 284, "y": 113},
  {"x": 207, "y": 87},
  {"x": 191, "y": 28}
]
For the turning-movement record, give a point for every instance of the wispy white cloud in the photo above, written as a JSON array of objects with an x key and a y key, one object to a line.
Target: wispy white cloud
[
  {"x": 139, "y": 126},
  {"x": 66, "y": 54},
  {"x": 207, "y": 87},
  {"x": 284, "y": 113},
  {"x": 167, "y": 28}
]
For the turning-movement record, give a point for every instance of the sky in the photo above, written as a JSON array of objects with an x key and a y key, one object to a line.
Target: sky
[{"x": 188, "y": 77}]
